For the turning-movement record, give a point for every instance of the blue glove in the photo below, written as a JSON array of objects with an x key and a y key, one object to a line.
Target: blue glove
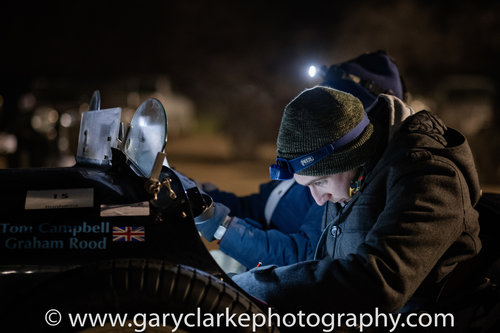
[{"x": 208, "y": 227}]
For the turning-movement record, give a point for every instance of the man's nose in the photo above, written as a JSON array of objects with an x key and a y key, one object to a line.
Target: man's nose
[{"x": 319, "y": 196}]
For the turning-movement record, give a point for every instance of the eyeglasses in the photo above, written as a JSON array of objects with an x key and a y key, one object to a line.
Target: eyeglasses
[{"x": 284, "y": 169}]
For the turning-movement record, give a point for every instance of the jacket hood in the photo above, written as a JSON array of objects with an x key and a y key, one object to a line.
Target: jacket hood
[
  {"x": 401, "y": 129},
  {"x": 425, "y": 131},
  {"x": 390, "y": 111}
]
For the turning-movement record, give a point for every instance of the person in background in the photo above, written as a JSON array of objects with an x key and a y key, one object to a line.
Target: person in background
[
  {"x": 281, "y": 224},
  {"x": 399, "y": 190}
]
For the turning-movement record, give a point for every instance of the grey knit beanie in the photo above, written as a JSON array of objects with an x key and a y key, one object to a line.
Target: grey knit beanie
[{"x": 317, "y": 117}]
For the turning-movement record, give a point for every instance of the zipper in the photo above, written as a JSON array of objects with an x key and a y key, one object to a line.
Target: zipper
[
  {"x": 335, "y": 230},
  {"x": 334, "y": 226},
  {"x": 323, "y": 234},
  {"x": 330, "y": 227}
]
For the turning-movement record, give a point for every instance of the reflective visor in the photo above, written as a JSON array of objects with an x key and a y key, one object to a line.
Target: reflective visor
[{"x": 284, "y": 169}]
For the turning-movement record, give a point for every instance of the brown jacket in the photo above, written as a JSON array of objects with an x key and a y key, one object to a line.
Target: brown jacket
[{"x": 407, "y": 228}]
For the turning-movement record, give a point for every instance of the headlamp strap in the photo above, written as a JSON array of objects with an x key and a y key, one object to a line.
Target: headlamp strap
[{"x": 307, "y": 160}]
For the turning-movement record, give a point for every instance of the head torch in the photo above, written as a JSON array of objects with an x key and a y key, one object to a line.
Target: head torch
[{"x": 284, "y": 169}]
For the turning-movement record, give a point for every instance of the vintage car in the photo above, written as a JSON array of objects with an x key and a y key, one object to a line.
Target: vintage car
[{"x": 113, "y": 234}]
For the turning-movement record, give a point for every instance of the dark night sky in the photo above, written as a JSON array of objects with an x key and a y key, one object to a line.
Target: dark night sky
[
  {"x": 237, "y": 57},
  {"x": 206, "y": 43},
  {"x": 106, "y": 38}
]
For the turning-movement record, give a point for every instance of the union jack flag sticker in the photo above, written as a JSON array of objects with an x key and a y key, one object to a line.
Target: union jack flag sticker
[{"x": 128, "y": 234}]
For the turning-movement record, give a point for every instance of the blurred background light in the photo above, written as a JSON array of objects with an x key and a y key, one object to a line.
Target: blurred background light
[
  {"x": 66, "y": 120},
  {"x": 8, "y": 143}
]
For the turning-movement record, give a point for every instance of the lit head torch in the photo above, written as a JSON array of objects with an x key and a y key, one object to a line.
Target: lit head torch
[{"x": 284, "y": 169}]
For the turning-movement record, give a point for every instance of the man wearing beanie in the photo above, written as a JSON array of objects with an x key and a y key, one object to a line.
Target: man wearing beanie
[
  {"x": 281, "y": 224},
  {"x": 399, "y": 206}
]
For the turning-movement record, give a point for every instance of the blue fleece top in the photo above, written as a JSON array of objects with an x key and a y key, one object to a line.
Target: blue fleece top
[{"x": 291, "y": 236}]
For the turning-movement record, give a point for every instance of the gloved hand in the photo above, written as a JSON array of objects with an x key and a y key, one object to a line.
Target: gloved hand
[
  {"x": 189, "y": 183},
  {"x": 185, "y": 180},
  {"x": 207, "y": 186},
  {"x": 208, "y": 227}
]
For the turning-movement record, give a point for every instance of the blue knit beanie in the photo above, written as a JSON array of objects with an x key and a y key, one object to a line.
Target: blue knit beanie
[{"x": 366, "y": 77}]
